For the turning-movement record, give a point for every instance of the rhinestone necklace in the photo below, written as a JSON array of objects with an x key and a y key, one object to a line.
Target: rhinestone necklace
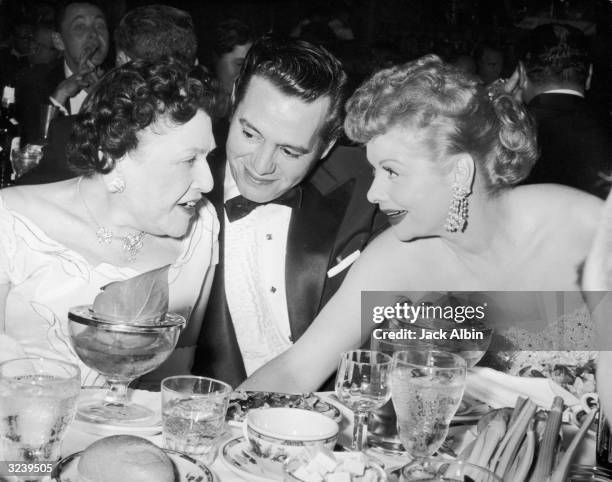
[{"x": 131, "y": 244}]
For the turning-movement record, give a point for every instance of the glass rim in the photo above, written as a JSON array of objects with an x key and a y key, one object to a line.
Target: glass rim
[
  {"x": 450, "y": 355},
  {"x": 56, "y": 361},
  {"x": 226, "y": 388},
  {"x": 438, "y": 461},
  {"x": 386, "y": 358},
  {"x": 84, "y": 315}
]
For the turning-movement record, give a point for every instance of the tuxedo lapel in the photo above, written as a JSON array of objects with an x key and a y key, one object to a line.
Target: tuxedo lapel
[{"x": 312, "y": 233}]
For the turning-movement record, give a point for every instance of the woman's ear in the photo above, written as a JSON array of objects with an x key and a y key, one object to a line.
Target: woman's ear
[
  {"x": 58, "y": 43},
  {"x": 464, "y": 170},
  {"x": 115, "y": 180}
]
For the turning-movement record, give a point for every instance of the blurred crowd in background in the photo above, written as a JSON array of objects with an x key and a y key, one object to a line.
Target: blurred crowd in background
[{"x": 483, "y": 37}]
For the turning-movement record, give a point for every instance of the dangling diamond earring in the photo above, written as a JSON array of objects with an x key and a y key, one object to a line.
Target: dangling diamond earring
[
  {"x": 117, "y": 185},
  {"x": 458, "y": 210}
]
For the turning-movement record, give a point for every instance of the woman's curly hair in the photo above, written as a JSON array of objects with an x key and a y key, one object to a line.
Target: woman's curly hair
[
  {"x": 128, "y": 99},
  {"x": 455, "y": 111}
]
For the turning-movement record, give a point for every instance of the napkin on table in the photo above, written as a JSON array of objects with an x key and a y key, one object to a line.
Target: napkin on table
[{"x": 499, "y": 389}]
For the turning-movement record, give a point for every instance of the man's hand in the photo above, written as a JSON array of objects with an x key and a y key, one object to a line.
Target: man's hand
[{"x": 87, "y": 75}]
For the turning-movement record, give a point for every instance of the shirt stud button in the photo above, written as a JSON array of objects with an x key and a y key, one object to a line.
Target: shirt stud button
[
  {"x": 273, "y": 289},
  {"x": 268, "y": 237}
]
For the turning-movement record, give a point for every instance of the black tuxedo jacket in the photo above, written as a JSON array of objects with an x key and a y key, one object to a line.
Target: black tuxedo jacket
[
  {"x": 573, "y": 142},
  {"x": 33, "y": 87},
  {"x": 53, "y": 166},
  {"x": 334, "y": 220}
]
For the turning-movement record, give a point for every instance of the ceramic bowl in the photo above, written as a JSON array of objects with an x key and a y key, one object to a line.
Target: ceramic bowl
[{"x": 277, "y": 434}]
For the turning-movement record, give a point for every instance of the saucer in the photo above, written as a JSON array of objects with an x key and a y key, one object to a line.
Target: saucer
[
  {"x": 236, "y": 455},
  {"x": 148, "y": 427},
  {"x": 187, "y": 468}
]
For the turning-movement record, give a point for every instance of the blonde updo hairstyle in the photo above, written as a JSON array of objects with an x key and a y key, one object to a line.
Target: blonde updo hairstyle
[{"x": 454, "y": 112}]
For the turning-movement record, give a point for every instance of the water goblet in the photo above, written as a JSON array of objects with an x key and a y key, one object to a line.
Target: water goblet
[
  {"x": 121, "y": 352},
  {"x": 362, "y": 384},
  {"x": 38, "y": 398},
  {"x": 426, "y": 390}
]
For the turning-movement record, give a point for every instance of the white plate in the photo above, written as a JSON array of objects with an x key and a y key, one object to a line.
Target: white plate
[
  {"x": 236, "y": 455},
  {"x": 187, "y": 468},
  {"x": 151, "y": 400}
]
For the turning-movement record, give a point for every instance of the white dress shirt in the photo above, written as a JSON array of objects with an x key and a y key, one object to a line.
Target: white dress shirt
[
  {"x": 77, "y": 100},
  {"x": 255, "y": 248}
]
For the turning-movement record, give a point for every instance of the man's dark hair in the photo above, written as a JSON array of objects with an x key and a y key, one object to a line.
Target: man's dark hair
[
  {"x": 153, "y": 31},
  {"x": 557, "y": 53},
  {"x": 62, "y": 6},
  {"x": 228, "y": 34},
  {"x": 298, "y": 69}
]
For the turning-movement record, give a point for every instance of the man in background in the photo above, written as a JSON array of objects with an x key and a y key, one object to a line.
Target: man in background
[
  {"x": 148, "y": 33},
  {"x": 81, "y": 35},
  {"x": 555, "y": 76}
]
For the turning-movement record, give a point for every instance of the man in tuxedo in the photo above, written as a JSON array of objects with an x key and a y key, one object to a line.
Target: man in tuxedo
[
  {"x": 554, "y": 78},
  {"x": 81, "y": 35},
  {"x": 144, "y": 33},
  {"x": 291, "y": 224}
]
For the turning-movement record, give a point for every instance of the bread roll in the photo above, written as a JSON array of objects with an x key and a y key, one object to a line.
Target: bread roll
[{"x": 125, "y": 458}]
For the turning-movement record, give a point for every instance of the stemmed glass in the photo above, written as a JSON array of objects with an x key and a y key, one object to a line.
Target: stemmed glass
[
  {"x": 362, "y": 384},
  {"x": 121, "y": 352},
  {"x": 426, "y": 389}
]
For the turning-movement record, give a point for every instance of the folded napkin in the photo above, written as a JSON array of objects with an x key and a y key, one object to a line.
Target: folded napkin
[{"x": 499, "y": 389}]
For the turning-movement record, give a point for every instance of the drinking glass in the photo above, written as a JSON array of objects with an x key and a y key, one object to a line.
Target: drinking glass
[
  {"x": 362, "y": 384},
  {"x": 437, "y": 470},
  {"x": 121, "y": 352},
  {"x": 193, "y": 414},
  {"x": 426, "y": 390},
  {"x": 38, "y": 399},
  {"x": 382, "y": 426}
]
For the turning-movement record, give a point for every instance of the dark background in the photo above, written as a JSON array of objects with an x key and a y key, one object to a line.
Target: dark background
[{"x": 386, "y": 31}]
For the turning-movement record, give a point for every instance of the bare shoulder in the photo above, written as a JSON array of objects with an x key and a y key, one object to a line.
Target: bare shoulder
[
  {"x": 560, "y": 202},
  {"x": 390, "y": 264},
  {"x": 38, "y": 202},
  {"x": 569, "y": 215}
]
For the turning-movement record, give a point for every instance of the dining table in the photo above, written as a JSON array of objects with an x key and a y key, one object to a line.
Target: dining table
[{"x": 81, "y": 434}]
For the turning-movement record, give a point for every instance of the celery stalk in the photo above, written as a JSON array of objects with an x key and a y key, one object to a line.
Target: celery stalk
[
  {"x": 560, "y": 472},
  {"x": 550, "y": 439}
]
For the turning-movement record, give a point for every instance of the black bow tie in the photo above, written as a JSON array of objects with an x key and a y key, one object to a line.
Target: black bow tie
[{"x": 239, "y": 206}]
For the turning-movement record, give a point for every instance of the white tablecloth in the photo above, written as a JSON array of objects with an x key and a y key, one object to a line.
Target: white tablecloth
[
  {"x": 79, "y": 435},
  {"x": 78, "y": 438}
]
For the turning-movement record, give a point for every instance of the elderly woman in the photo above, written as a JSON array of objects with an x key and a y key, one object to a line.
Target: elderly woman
[
  {"x": 446, "y": 155},
  {"x": 140, "y": 148}
]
